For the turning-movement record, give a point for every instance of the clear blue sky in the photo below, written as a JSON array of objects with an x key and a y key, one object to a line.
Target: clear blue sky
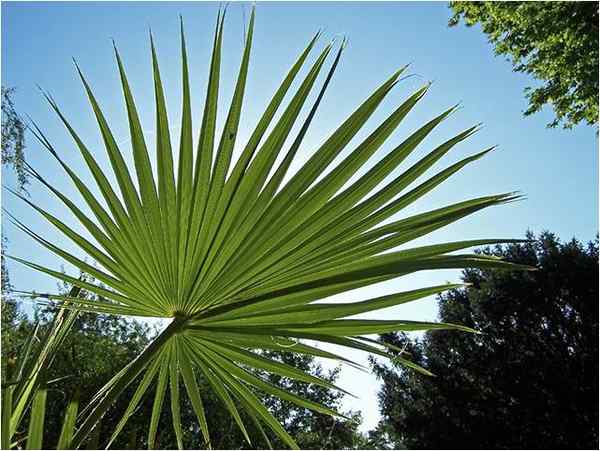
[{"x": 556, "y": 169}]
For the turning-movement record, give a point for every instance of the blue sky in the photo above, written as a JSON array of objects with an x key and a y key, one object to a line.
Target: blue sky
[{"x": 556, "y": 169}]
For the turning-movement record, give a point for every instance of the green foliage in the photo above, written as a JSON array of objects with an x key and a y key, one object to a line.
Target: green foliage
[
  {"x": 25, "y": 379},
  {"x": 100, "y": 345},
  {"x": 97, "y": 348},
  {"x": 35, "y": 432},
  {"x": 236, "y": 257},
  {"x": 312, "y": 430},
  {"x": 13, "y": 156},
  {"x": 555, "y": 42},
  {"x": 68, "y": 426},
  {"x": 530, "y": 380},
  {"x": 11, "y": 317},
  {"x": 13, "y": 138}
]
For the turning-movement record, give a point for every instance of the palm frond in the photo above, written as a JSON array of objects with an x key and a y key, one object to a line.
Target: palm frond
[
  {"x": 24, "y": 392},
  {"x": 237, "y": 257}
]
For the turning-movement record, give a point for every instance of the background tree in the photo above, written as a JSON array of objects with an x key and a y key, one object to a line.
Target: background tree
[
  {"x": 13, "y": 138},
  {"x": 530, "y": 380},
  {"x": 12, "y": 335},
  {"x": 13, "y": 156},
  {"x": 555, "y": 42}
]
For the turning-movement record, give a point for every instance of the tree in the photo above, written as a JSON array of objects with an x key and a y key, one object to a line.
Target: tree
[
  {"x": 12, "y": 318},
  {"x": 530, "y": 380},
  {"x": 13, "y": 155},
  {"x": 555, "y": 42},
  {"x": 13, "y": 138}
]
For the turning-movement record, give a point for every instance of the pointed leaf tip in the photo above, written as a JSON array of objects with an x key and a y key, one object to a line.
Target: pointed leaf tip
[
  {"x": 399, "y": 71},
  {"x": 344, "y": 43},
  {"x": 78, "y": 69},
  {"x": 483, "y": 153},
  {"x": 224, "y": 11},
  {"x": 456, "y": 107},
  {"x": 115, "y": 46}
]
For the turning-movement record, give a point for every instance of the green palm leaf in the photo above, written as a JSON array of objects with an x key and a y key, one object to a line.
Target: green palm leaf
[
  {"x": 237, "y": 257},
  {"x": 25, "y": 391}
]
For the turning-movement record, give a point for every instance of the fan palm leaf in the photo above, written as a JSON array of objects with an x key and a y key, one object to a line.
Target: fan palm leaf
[{"x": 236, "y": 255}]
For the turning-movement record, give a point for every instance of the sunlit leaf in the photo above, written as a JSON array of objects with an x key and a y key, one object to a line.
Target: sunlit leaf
[{"x": 240, "y": 253}]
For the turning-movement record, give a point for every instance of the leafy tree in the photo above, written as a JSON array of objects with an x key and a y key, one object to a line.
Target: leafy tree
[
  {"x": 11, "y": 317},
  {"x": 530, "y": 380},
  {"x": 13, "y": 155},
  {"x": 555, "y": 42},
  {"x": 13, "y": 138},
  {"x": 379, "y": 438}
]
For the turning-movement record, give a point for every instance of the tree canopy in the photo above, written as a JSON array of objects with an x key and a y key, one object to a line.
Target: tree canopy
[
  {"x": 13, "y": 156},
  {"x": 530, "y": 380},
  {"x": 13, "y": 137},
  {"x": 555, "y": 42}
]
